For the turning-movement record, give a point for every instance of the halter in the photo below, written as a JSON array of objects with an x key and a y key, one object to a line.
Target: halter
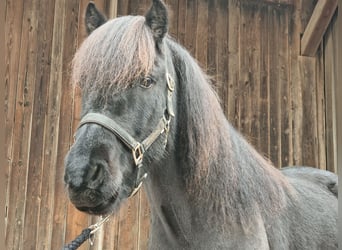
[{"x": 138, "y": 148}]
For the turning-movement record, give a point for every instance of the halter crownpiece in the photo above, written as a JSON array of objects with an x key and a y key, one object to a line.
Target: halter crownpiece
[{"x": 138, "y": 149}]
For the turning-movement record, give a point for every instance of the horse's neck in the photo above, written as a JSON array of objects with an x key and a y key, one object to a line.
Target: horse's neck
[
  {"x": 235, "y": 169},
  {"x": 212, "y": 176},
  {"x": 170, "y": 208}
]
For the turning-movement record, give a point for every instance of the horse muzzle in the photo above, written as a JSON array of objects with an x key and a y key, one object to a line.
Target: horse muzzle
[
  {"x": 90, "y": 188},
  {"x": 93, "y": 201}
]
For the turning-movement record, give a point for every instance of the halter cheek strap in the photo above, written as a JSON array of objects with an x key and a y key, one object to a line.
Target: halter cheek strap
[{"x": 138, "y": 149}]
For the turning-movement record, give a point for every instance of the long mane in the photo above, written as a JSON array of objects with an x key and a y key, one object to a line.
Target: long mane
[{"x": 226, "y": 175}]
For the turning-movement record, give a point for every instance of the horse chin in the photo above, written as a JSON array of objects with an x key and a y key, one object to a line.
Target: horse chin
[
  {"x": 95, "y": 202},
  {"x": 103, "y": 208}
]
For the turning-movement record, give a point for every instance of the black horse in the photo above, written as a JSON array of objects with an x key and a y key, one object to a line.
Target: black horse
[{"x": 149, "y": 115}]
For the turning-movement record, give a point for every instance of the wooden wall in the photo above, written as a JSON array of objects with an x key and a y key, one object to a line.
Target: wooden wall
[
  {"x": 332, "y": 94},
  {"x": 251, "y": 48}
]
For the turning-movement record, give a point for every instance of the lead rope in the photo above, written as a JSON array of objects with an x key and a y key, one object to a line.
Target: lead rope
[{"x": 85, "y": 235}]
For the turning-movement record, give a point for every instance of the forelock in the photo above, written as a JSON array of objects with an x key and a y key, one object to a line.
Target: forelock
[{"x": 114, "y": 55}]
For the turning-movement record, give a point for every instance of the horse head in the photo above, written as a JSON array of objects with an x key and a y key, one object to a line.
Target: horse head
[{"x": 126, "y": 77}]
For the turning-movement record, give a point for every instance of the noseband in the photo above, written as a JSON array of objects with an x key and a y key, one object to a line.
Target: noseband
[{"x": 138, "y": 148}]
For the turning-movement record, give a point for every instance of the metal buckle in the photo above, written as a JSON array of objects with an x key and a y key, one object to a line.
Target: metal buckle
[
  {"x": 138, "y": 154},
  {"x": 98, "y": 225},
  {"x": 95, "y": 227}
]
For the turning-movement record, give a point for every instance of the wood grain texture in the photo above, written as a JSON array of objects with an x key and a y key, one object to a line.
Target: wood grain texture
[
  {"x": 221, "y": 52},
  {"x": 13, "y": 31},
  {"x": 337, "y": 39},
  {"x": 19, "y": 156},
  {"x": 320, "y": 115},
  {"x": 264, "y": 144},
  {"x": 42, "y": 154},
  {"x": 318, "y": 23},
  {"x": 202, "y": 30},
  {"x": 233, "y": 62},
  {"x": 331, "y": 95},
  {"x": 275, "y": 87},
  {"x": 309, "y": 135},
  {"x": 66, "y": 113}
]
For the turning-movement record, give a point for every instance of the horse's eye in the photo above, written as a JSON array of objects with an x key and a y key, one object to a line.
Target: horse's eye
[{"x": 147, "y": 82}]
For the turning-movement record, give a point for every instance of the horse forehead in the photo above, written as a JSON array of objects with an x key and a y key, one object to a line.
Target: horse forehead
[
  {"x": 114, "y": 55},
  {"x": 163, "y": 64}
]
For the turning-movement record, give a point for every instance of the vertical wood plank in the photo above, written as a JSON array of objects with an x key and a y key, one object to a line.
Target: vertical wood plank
[
  {"x": 264, "y": 94},
  {"x": 248, "y": 79},
  {"x": 41, "y": 184},
  {"x": 64, "y": 45},
  {"x": 13, "y": 31},
  {"x": 211, "y": 52},
  {"x": 295, "y": 28},
  {"x": 60, "y": 211},
  {"x": 222, "y": 53},
  {"x": 123, "y": 8},
  {"x": 172, "y": 6},
  {"x": 285, "y": 93},
  {"x": 302, "y": 13},
  {"x": 275, "y": 123},
  {"x": 320, "y": 115},
  {"x": 32, "y": 205},
  {"x": 128, "y": 229},
  {"x": 144, "y": 218},
  {"x": 330, "y": 82},
  {"x": 233, "y": 61},
  {"x": 202, "y": 33},
  {"x": 338, "y": 92},
  {"x": 134, "y": 7},
  {"x": 253, "y": 65},
  {"x": 110, "y": 234},
  {"x": 21, "y": 129},
  {"x": 182, "y": 12},
  {"x": 309, "y": 136},
  {"x": 191, "y": 26}
]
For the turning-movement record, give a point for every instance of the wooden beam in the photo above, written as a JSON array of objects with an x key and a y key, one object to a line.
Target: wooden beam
[{"x": 317, "y": 26}]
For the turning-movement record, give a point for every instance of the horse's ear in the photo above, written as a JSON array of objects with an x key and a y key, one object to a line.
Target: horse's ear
[
  {"x": 93, "y": 18},
  {"x": 157, "y": 20}
]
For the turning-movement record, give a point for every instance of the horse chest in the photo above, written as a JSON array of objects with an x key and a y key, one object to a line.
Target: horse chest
[{"x": 168, "y": 232}]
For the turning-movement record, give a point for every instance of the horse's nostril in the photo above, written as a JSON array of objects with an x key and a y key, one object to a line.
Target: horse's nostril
[
  {"x": 95, "y": 175},
  {"x": 98, "y": 169}
]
